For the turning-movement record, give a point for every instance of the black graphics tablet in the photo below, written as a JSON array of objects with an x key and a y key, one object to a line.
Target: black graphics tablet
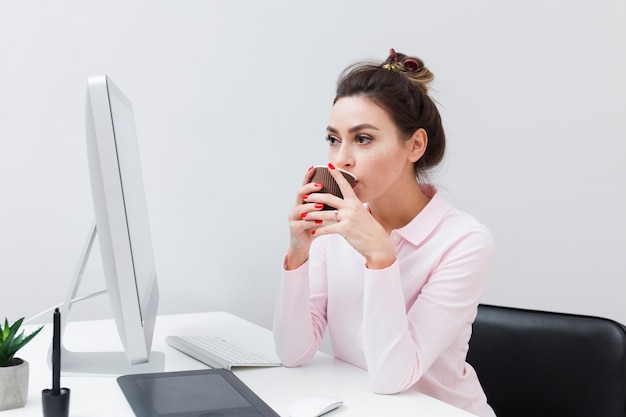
[{"x": 202, "y": 393}]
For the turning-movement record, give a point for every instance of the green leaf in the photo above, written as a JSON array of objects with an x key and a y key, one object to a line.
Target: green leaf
[{"x": 5, "y": 331}]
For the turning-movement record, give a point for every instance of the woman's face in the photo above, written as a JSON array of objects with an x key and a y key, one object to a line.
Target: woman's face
[{"x": 365, "y": 141}]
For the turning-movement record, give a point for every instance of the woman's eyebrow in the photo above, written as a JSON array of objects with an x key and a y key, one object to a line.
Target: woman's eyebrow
[{"x": 353, "y": 128}]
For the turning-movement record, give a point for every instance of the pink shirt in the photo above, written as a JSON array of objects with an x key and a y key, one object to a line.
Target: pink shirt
[{"x": 409, "y": 324}]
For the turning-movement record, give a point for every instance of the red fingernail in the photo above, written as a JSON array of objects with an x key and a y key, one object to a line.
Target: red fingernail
[
  {"x": 304, "y": 197},
  {"x": 331, "y": 166},
  {"x": 319, "y": 205},
  {"x": 319, "y": 221},
  {"x": 312, "y": 232},
  {"x": 318, "y": 184},
  {"x": 303, "y": 215},
  {"x": 310, "y": 168}
]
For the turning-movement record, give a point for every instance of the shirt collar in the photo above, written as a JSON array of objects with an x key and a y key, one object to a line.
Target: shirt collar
[{"x": 422, "y": 225}]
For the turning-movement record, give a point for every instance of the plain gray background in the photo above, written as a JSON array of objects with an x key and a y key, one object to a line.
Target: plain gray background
[{"x": 231, "y": 103}]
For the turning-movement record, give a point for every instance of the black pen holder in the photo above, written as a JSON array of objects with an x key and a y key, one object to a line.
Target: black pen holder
[{"x": 55, "y": 405}]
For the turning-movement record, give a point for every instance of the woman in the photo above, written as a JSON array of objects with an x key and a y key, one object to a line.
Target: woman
[{"x": 394, "y": 272}]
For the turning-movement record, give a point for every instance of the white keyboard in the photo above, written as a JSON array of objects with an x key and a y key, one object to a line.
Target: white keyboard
[{"x": 217, "y": 352}]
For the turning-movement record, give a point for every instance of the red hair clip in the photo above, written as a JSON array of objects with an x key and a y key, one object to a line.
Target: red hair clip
[
  {"x": 411, "y": 64},
  {"x": 393, "y": 55}
]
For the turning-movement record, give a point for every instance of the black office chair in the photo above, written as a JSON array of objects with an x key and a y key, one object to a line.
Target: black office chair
[{"x": 536, "y": 363}]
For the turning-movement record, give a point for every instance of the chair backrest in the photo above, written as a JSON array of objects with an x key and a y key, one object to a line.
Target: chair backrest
[{"x": 536, "y": 363}]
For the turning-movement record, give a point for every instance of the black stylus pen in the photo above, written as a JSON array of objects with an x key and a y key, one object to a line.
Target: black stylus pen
[
  {"x": 56, "y": 401},
  {"x": 56, "y": 353}
]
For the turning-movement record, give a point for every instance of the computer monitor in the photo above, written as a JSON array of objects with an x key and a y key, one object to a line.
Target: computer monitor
[{"x": 124, "y": 237}]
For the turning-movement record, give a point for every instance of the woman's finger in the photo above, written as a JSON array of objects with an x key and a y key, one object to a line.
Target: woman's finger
[{"x": 342, "y": 182}]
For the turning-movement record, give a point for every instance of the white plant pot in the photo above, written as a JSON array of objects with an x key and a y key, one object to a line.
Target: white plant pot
[{"x": 13, "y": 385}]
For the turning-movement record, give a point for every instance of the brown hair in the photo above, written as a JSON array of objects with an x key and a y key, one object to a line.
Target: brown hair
[{"x": 399, "y": 85}]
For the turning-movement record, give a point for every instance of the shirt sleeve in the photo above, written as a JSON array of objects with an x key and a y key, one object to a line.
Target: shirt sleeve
[
  {"x": 299, "y": 331},
  {"x": 401, "y": 341}
]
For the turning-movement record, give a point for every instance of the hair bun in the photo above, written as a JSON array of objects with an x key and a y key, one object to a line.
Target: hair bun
[{"x": 412, "y": 67}]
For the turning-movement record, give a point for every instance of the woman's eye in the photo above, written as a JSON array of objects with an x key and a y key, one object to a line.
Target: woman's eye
[
  {"x": 362, "y": 139},
  {"x": 332, "y": 139}
]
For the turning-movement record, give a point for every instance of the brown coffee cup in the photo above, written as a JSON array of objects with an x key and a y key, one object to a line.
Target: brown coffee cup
[{"x": 329, "y": 185}]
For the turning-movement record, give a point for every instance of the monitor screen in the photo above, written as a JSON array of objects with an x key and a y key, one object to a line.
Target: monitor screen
[{"x": 135, "y": 239}]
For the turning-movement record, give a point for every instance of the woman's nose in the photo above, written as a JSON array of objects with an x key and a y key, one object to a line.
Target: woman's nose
[{"x": 344, "y": 158}]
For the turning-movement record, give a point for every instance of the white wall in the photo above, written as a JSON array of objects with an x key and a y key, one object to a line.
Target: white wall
[{"x": 231, "y": 100}]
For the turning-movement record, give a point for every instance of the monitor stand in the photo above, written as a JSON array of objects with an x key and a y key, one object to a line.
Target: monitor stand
[{"x": 96, "y": 363}]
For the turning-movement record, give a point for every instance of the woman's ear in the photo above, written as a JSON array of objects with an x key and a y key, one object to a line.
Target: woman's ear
[{"x": 417, "y": 144}]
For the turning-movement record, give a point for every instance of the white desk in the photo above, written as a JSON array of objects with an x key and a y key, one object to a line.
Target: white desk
[{"x": 101, "y": 396}]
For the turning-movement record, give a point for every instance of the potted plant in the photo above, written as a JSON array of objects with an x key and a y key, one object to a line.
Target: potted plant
[{"x": 13, "y": 371}]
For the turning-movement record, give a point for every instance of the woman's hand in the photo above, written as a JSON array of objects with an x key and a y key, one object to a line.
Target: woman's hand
[
  {"x": 301, "y": 224},
  {"x": 350, "y": 220}
]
